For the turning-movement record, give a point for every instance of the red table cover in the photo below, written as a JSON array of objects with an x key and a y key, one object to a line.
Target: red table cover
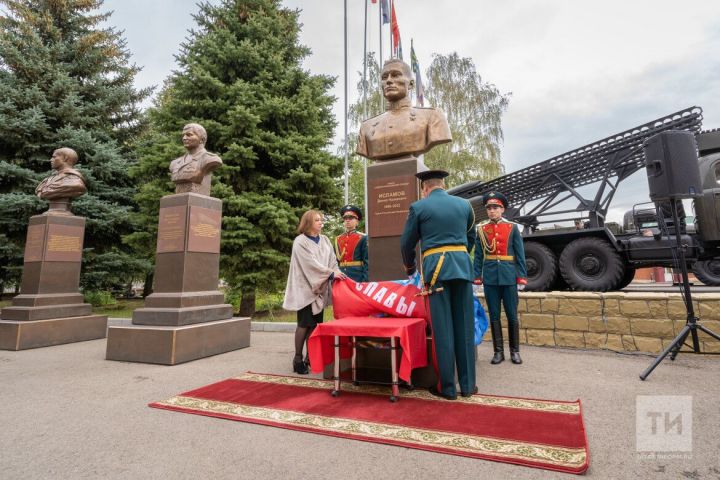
[{"x": 410, "y": 331}]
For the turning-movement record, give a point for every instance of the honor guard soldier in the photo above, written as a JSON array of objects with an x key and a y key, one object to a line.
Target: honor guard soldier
[
  {"x": 445, "y": 227},
  {"x": 351, "y": 247},
  {"x": 500, "y": 269}
]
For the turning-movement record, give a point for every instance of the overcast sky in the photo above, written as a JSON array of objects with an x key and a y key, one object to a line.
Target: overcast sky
[{"x": 578, "y": 71}]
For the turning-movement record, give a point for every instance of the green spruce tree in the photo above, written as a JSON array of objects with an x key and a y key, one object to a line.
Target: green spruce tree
[
  {"x": 240, "y": 75},
  {"x": 66, "y": 80}
]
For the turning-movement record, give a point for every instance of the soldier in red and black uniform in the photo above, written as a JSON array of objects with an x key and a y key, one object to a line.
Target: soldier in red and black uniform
[
  {"x": 500, "y": 268},
  {"x": 351, "y": 247}
]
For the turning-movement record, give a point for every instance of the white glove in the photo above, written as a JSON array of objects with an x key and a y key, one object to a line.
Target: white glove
[
  {"x": 521, "y": 287},
  {"x": 477, "y": 290}
]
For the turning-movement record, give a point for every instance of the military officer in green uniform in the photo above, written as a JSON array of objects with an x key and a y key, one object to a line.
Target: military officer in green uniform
[
  {"x": 500, "y": 269},
  {"x": 444, "y": 226},
  {"x": 351, "y": 247}
]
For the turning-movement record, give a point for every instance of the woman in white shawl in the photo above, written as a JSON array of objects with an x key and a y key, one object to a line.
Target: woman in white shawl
[{"x": 313, "y": 265}]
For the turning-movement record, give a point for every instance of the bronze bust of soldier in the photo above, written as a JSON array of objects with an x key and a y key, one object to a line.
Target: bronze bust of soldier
[
  {"x": 403, "y": 130},
  {"x": 64, "y": 184},
  {"x": 193, "y": 171}
]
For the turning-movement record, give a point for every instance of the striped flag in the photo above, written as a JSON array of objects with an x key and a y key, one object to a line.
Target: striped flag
[
  {"x": 419, "y": 89},
  {"x": 385, "y": 10}
]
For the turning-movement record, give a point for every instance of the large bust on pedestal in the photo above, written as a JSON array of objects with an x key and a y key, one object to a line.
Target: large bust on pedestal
[
  {"x": 193, "y": 171},
  {"x": 64, "y": 184},
  {"x": 403, "y": 130}
]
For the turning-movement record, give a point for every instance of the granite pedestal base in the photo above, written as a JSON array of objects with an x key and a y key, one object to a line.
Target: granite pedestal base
[
  {"x": 50, "y": 310},
  {"x": 22, "y": 335},
  {"x": 170, "y": 345},
  {"x": 391, "y": 188}
]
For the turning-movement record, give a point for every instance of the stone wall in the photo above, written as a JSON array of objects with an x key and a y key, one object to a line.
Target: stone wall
[{"x": 618, "y": 321}]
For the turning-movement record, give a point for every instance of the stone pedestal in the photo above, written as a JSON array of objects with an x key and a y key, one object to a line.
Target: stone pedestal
[
  {"x": 50, "y": 309},
  {"x": 391, "y": 188},
  {"x": 173, "y": 345},
  {"x": 185, "y": 292}
]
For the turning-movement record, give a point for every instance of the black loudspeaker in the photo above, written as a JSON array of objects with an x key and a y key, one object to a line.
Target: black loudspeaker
[{"x": 671, "y": 161}]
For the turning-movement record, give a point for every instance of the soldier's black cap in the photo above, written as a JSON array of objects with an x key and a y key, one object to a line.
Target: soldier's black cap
[
  {"x": 495, "y": 198},
  {"x": 353, "y": 209},
  {"x": 430, "y": 174}
]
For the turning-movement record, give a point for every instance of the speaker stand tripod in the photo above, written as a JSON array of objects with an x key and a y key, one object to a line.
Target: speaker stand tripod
[{"x": 691, "y": 324}]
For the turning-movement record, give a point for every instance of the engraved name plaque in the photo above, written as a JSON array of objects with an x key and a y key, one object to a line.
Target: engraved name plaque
[
  {"x": 389, "y": 200},
  {"x": 171, "y": 229},
  {"x": 204, "y": 235},
  {"x": 35, "y": 243},
  {"x": 64, "y": 243}
]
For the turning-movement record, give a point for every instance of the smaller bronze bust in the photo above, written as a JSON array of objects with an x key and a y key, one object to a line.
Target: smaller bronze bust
[
  {"x": 193, "y": 171},
  {"x": 63, "y": 185}
]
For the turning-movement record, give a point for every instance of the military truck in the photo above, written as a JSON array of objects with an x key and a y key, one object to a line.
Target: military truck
[{"x": 578, "y": 186}]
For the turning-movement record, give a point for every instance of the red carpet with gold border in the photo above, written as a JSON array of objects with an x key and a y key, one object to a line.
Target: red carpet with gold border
[{"x": 536, "y": 433}]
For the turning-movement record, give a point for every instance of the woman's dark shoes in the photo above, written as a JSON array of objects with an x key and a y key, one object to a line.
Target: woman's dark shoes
[
  {"x": 515, "y": 357},
  {"x": 497, "y": 358},
  {"x": 300, "y": 367},
  {"x": 433, "y": 390},
  {"x": 469, "y": 394}
]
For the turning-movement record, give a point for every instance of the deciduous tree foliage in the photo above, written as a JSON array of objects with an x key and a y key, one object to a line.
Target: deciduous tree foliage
[
  {"x": 240, "y": 76},
  {"x": 474, "y": 111},
  {"x": 66, "y": 80}
]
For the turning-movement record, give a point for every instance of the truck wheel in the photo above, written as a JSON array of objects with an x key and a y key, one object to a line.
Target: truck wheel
[
  {"x": 591, "y": 264},
  {"x": 541, "y": 266},
  {"x": 627, "y": 277},
  {"x": 708, "y": 271}
]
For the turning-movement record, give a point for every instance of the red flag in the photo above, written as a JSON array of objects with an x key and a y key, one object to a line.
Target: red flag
[
  {"x": 351, "y": 299},
  {"x": 395, "y": 31}
]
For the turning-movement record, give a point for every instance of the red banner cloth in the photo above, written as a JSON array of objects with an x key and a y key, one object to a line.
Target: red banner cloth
[
  {"x": 356, "y": 299},
  {"x": 410, "y": 331}
]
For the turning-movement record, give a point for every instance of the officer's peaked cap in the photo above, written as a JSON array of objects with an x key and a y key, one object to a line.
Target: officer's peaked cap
[{"x": 353, "y": 209}]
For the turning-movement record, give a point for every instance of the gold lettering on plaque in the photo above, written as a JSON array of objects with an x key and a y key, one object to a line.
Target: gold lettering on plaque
[
  {"x": 35, "y": 243},
  {"x": 63, "y": 243},
  {"x": 205, "y": 230},
  {"x": 172, "y": 228}
]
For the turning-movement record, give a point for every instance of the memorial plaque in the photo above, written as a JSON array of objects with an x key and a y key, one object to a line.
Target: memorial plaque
[
  {"x": 204, "y": 235},
  {"x": 35, "y": 243},
  {"x": 389, "y": 200},
  {"x": 64, "y": 243},
  {"x": 171, "y": 229}
]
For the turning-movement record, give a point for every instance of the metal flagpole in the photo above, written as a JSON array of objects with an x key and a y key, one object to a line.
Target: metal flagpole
[
  {"x": 392, "y": 4},
  {"x": 365, "y": 110},
  {"x": 380, "y": 24},
  {"x": 345, "y": 53}
]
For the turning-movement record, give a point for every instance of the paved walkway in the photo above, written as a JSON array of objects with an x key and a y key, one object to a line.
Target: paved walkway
[{"x": 68, "y": 413}]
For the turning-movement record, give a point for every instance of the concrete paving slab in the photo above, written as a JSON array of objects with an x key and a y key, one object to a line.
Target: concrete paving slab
[{"x": 68, "y": 413}]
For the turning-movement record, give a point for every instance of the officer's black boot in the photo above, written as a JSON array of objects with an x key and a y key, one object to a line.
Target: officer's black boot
[
  {"x": 496, "y": 330},
  {"x": 514, "y": 337}
]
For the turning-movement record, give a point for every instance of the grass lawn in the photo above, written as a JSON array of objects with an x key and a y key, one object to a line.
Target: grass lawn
[{"x": 124, "y": 308}]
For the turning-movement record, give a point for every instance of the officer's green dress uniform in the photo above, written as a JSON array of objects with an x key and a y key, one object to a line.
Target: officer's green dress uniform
[
  {"x": 500, "y": 265},
  {"x": 444, "y": 225}
]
